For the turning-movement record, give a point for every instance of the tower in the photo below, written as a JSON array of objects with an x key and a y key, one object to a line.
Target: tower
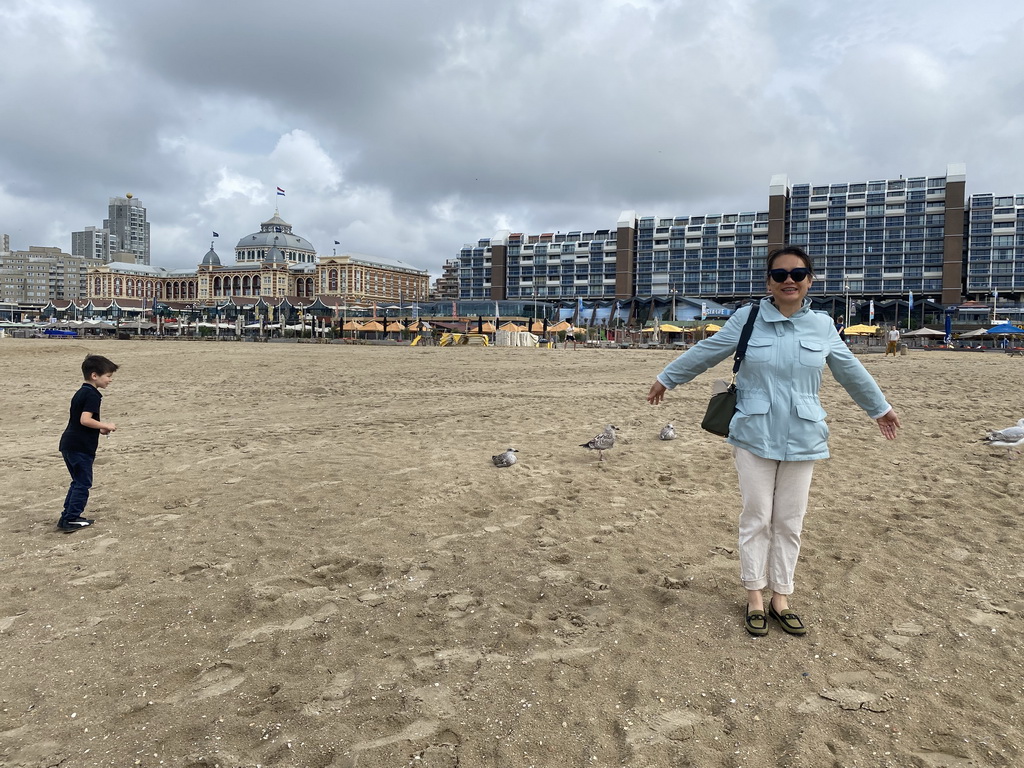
[{"x": 129, "y": 228}]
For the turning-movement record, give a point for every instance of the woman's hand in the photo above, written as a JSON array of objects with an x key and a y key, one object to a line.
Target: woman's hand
[
  {"x": 657, "y": 393},
  {"x": 888, "y": 423}
]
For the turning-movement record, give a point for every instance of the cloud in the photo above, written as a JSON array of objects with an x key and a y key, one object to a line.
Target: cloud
[{"x": 405, "y": 129}]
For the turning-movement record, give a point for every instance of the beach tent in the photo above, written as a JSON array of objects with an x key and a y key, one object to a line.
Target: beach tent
[{"x": 861, "y": 330}]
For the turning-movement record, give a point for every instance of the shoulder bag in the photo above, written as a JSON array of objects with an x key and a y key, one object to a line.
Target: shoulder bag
[{"x": 723, "y": 404}]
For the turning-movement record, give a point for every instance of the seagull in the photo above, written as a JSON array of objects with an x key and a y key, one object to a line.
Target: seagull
[
  {"x": 506, "y": 459},
  {"x": 602, "y": 442},
  {"x": 1009, "y": 438},
  {"x": 668, "y": 432}
]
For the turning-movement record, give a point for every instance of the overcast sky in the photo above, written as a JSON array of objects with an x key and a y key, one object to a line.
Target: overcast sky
[{"x": 406, "y": 128}]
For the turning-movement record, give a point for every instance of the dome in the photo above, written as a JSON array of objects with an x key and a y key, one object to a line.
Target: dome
[
  {"x": 275, "y": 232},
  {"x": 274, "y": 256},
  {"x": 211, "y": 259}
]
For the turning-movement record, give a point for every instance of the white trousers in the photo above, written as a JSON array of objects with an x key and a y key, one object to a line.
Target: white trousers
[{"x": 774, "y": 497}]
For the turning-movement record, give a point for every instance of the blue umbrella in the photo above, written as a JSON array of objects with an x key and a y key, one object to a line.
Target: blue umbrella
[
  {"x": 949, "y": 328},
  {"x": 1004, "y": 328}
]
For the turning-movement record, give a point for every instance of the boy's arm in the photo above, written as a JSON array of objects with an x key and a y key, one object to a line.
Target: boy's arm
[{"x": 104, "y": 427}]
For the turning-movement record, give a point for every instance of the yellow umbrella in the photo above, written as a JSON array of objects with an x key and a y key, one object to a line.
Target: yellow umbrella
[
  {"x": 668, "y": 328},
  {"x": 373, "y": 325},
  {"x": 861, "y": 330},
  {"x": 562, "y": 325},
  {"x": 395, "y": 326},
  {"x": 712, "y": 328},
  {"x": 510, "y": 326},
  {"x": 351, "y": 325}
]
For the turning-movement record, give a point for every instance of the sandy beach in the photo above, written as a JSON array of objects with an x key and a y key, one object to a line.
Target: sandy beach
[{"x": 303, "y": 556}]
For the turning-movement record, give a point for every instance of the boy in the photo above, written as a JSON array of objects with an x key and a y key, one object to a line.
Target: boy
[{"x": 81, "y": 437}]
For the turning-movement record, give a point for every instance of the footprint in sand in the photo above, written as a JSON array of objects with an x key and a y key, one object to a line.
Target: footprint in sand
[
  {"x": 211, "y": 682},
  {"x": 303, "y": 622}
]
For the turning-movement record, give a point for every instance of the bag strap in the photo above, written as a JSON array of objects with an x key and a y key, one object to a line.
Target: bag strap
[{"x": 741, "y": 348}]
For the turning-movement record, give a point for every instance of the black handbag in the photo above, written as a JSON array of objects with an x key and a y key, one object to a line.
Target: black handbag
[{"x": 722, "y": 407}]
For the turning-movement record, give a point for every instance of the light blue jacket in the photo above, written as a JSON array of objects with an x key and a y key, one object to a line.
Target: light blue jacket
[{"x": 778, "y": 413}]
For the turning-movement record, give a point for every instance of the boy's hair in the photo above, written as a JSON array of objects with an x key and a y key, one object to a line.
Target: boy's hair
[{"x": 97, "y": 364}]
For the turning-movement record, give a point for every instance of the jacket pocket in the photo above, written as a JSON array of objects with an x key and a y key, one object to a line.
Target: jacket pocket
[
  {"x": 759, "y": 350},
  {"x": 752, "y": 406},
  {"x": 812, "y": 353},
  {"x": 809, "y": 434}
]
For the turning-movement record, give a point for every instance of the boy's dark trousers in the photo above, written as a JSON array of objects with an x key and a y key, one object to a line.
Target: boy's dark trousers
[{"x": 80, "y": 468}]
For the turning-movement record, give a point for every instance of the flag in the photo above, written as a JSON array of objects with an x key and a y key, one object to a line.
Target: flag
[
  {"x": 337, "y": 242},
  {"x": 871, "y": 312},
  {"x": 910, "y": 301},
  {"x": 216, "y": 235},
  {"x": 454, "y": 311},
  {"x": 496, "y": 315},
  {"x": 280, "y": 192},
  {"x": 703, "y": 310}
]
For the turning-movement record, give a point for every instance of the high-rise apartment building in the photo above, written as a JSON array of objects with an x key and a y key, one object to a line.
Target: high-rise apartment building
[
  {"x": 995, "y": 251},
  {"x": 878, "y": 238},
  {"x": 93, "y": 243},
  {"x": 127, "y": 224}
]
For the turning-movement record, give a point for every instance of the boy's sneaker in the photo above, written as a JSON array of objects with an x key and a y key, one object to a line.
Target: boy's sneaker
[{"x": 70, "y": 526}]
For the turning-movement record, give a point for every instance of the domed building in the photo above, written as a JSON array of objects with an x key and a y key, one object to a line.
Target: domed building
[
  {"x": 271, "y": 265},
  {"x": 275, "y": 232}
]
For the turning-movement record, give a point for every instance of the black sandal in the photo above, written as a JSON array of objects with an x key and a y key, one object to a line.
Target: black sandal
[
  {"x": 756, "y": 623},
  {"x": 788, "y": 620}
]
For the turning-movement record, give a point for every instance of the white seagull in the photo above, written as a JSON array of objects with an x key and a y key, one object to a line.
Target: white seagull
[
  {"x": 668, "y": 432},
  {"x": 601, "y": 442},
  {"x": 506, "y": 459},
  {"x": 1010, "y": 438}
]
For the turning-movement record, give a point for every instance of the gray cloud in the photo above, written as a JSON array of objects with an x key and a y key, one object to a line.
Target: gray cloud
[{"x": 405, "y": 129}]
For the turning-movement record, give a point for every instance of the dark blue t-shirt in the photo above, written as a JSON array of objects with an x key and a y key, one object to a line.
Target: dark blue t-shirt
[{"x": 78, "y": 438}]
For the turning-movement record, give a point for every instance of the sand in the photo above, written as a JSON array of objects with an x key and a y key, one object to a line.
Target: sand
[{"x": 304, "y": 557}]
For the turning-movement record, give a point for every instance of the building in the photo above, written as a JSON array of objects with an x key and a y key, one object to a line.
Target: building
[
  {"x": 93, "y": 243},
  {"x": 995, "y": 251},
  {"x": 128, "y": 226},
  {"x": 271, "y": 264},
  {"x": 881, "y": 239},
  {"x": 447, "y": 285},
  {"x": 32, "y": 278}
]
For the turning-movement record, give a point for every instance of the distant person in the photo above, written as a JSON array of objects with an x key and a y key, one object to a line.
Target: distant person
[
  {"x": 892, "y": 339},
  {"x": 80, "y": 439},
  {"x": 570, "y": 335},
  {"x": 841, "y": 328}
]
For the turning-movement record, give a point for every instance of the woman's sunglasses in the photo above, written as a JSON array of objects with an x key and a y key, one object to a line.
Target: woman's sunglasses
[{"x": 799, "y": 274}]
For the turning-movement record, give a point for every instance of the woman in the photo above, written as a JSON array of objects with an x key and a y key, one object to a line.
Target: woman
[{"x": 779, "y": 429}]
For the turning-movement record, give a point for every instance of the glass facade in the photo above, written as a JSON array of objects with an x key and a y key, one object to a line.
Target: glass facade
[
  {"x": 881, "y": 239},
  {"x": 995, "y": 250},
  {"x": 878, "y": 238}
]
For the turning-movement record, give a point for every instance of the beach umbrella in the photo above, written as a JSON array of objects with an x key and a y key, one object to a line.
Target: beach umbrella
[
  {"x": 712, "y": 328},
  {"x": 669, "y": 328},
  {"x": 1004, "y": 329},
  {"x": 949, "y": 328},
  {"x": 373, "y": 325},
  {"x": 394, "y": 326},
  {"x": 861, "y": 330}
]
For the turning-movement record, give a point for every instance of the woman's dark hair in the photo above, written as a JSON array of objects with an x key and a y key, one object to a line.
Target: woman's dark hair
[{"x": 790, "y": 250}]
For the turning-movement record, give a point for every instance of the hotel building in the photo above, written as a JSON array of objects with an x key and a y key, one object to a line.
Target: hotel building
[
  {"x": 878, "y": 239},
  {"x": 273, "y": 263}
]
